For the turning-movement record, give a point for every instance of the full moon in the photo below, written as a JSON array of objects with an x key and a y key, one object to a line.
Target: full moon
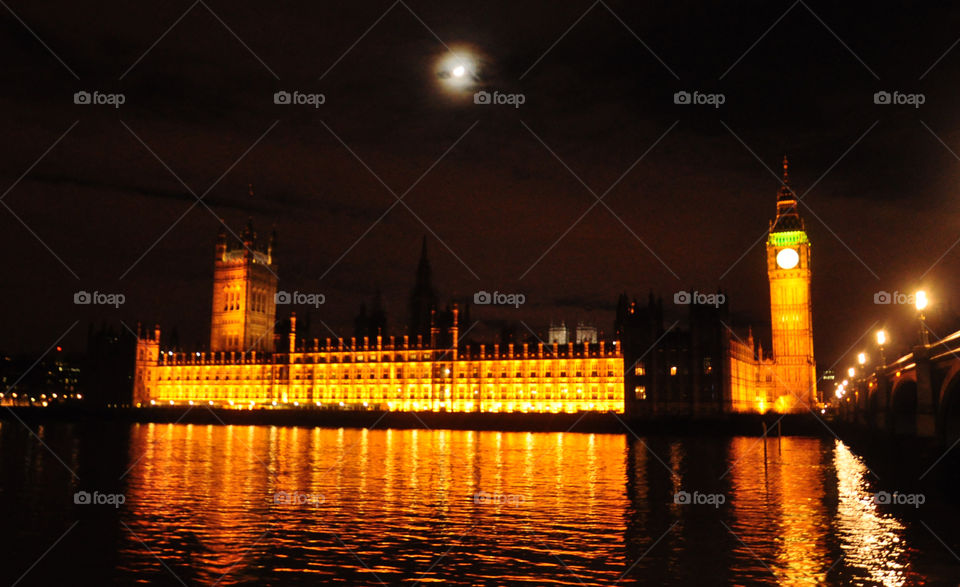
[{"x": 458, "y": 71}]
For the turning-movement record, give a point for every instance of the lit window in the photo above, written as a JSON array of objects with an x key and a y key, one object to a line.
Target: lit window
[{"x": 673, "y": 370}]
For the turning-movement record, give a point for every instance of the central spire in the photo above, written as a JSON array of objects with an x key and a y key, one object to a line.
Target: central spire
[
  {"x": 786, "y": 193},
  {"x": 787, "y": 216}
]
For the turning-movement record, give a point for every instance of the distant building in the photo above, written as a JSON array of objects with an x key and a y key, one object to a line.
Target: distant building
[
  {"x": 706, "y": 368},
  {"x": 423, "y": 299},
  {"x": 711, "y": 368},
  {"x": 673, "y": 371},
  {"x": 429, "y": 369},
  {"x": 54, "y": 378},
  {"x": 557, "y": 333},
  {"x": 108, "y": 366},
  {"x": 585, "y": 333}
]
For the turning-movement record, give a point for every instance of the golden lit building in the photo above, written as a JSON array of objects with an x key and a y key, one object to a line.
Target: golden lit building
[
  {"x": 244, "y": 289},
  {"x": 791, "y": 318},
  {"x": 751, "y": 378},
  {"x": 370, "y": 373},
  {"x": 387, "y": 375},
  {"x": 432, "y": 370},
  {"x": 786, "y": 382}
]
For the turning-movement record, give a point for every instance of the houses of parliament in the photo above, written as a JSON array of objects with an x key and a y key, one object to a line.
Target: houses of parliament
[{"x": 644, "y": 370}]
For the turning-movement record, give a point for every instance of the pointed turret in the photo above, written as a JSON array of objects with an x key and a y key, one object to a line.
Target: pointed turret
[
  {"x": 249, "y": 239},
  {"x": 220, "y": 251},
  {"x": 272, "y": 244},
  {"x": 787, "y": 216},
  {"x": 423, "y": 298}
]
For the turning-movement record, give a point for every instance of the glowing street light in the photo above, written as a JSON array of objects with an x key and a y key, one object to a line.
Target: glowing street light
[
  {"x": 850, "y": 372},
  {"x": 862, "y": 358},
  {"x": 882, "y": 340},
  {"x": 921, "y": 301}
]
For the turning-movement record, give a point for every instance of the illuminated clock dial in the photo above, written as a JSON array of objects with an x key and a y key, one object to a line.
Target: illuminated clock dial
[{"x": 787, "y": 258}]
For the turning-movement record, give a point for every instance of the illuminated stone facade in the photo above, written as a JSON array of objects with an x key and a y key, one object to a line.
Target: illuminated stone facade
[
  {"x": 244, "y": 290},
  {"x": 430, "y": 371},
  {"x": 787, "y": 382},
  {"x": 387, "y": 375},
  {"x": 656, "y": 371},
  {"x": 788, "y": 267},
  {"x": 751, "y": 378}
]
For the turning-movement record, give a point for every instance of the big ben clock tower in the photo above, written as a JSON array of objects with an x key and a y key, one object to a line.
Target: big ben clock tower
[{"x": 791, "y": 319}]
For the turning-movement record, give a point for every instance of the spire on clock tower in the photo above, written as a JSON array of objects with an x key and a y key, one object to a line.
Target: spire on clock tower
[{"x": 787, "y": 216}]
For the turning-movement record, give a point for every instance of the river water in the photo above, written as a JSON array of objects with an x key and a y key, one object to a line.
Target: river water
[{"x": 195, "y": 504}]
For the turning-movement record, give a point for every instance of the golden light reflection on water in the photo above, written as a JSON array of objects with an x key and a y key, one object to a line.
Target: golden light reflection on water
[
  {"x": 391, "y": 504},
  {"x": 778, "y": 507},
  {"x": 872, "y": 541},
  {"x": 467, "y": 507}
]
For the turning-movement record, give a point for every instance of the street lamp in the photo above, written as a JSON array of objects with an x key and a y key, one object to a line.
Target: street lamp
[
  {"x": 881, "y": 340},
  {"x": 921, "y": 301},
  {"x": 851, "y": 372},
  {"x": 862, "y": 359}
]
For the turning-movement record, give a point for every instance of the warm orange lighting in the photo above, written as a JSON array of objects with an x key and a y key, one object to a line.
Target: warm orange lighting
[
  {"x": 920, "y": 299},
  {"x": 790, "y": 373},
  {"x": 378, "y": 376},
  {"x": 881, "y": 337}
]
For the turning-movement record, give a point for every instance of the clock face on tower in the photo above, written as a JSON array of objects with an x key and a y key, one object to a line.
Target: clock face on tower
[{"x": 787, "y": 258}]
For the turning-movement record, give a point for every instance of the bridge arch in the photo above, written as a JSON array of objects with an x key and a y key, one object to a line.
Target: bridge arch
[
  {"x": 949, "y": 413},
  {"x": 877, "y": 406},
  {"x": 903, "y": 407}
]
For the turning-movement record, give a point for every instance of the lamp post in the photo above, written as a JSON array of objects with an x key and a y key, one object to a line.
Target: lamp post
[
  {"x": 881, "y": 340},
  {"x": 921, "y": 301}
]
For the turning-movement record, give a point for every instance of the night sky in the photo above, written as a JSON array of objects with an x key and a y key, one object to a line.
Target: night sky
[{"x": 109, "y": 208}]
